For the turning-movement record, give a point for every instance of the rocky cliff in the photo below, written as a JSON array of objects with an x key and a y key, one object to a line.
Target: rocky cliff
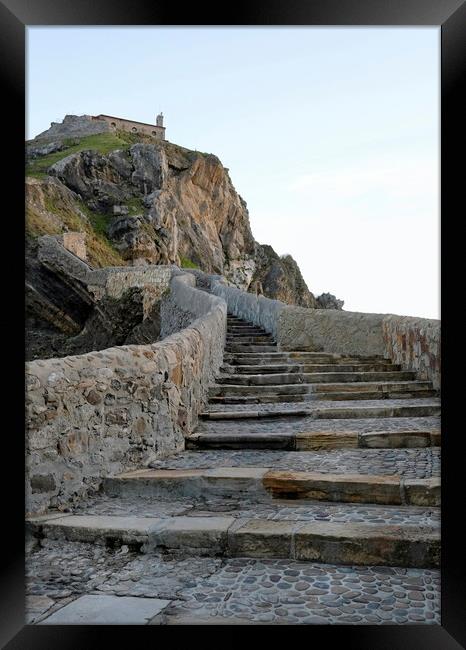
[{"x": 144, "y": 201}]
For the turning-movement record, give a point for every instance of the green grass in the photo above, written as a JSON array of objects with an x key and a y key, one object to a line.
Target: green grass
[
  {"x": 135, "y": 206},
  {"x": 68, "y": 217},
  {"x": 104, "y": 143},
  {"x": 99, "y": 221},
  {"x": 186, "y": 263},
  {"x": 101, "y": 251},
  {"x": 101, "y": 142}
]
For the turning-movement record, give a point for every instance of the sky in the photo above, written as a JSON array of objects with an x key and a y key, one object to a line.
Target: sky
[{"x": 331, "y": 136}]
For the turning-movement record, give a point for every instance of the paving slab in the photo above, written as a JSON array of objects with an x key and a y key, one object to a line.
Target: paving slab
[{"x": 107, "y": 610}]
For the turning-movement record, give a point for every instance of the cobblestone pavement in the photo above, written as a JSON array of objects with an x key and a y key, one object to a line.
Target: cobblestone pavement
[
  {"x": 325, "y": 404},
  {"x": 305, "y": 424},
  {"x": 278, "y": 510},
  {"x": 241, "y": 590},
  {"x": 409, "y": 463}
]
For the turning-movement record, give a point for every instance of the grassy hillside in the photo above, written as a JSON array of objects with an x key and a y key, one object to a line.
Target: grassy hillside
[
  {"x": 51, "y": 210},
  {"x": 102, "y": 142}
]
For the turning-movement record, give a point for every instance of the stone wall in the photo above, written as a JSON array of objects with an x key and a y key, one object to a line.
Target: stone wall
[
  {"x": 110, "y": 281},
  {"x": 98, "y": 414},
  {"x": 132, "y": 126},
  {"x": 114, "y": 281},
  {"x": 330, "y": 330},
  {"x": 75, "y": 126},
  {"x": 299, "y": 328},
  {"x": 415, "y": 344},
  {"x": 256, "y": 309}
]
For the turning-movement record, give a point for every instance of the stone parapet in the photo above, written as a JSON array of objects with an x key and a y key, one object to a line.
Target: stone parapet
[
  {"x": 330, "y": 330},
  {"x": 414, "y": 343},
  {"x": 56, "y": 254},
  {"x": 114, "y": 281},
  {"x": 98, "y": 414}
]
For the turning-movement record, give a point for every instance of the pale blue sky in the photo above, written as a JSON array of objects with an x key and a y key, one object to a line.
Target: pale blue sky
[{"x": 331, "y": 135}]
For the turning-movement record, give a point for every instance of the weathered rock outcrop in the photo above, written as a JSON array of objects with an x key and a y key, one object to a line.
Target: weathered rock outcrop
[
  {"x": 329, "y": 301},
  {"x": 281, "y": 278},
  {"x": 187, "y": 208},
  {"x": 158, "y": 203},
  {"x": 94, "y": 415}
]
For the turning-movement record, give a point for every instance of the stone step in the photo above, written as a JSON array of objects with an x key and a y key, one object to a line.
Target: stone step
[
  {"x": 262, "y": 484},
  {"x": 241, "y": 507},
  {"x": 356, "y": 383},
  {"x": 245, "y": 328},
  {"x": 285, "y": 441},
  {"x": 319, "y": 541},
  {"x": 240, "y": 339},
  {"x": 248, "y": 334},
  {"x": 246, "y": 331},
  {"x": 356, "y": 488},
  {"x": 273, "y": 357},
  {"x": 238, "y": 347},
  {"x": 278, "y": 369},
  {"x": 312, "y": 378},
  {"x": 268, "y": 398},
  {"x": 315, "y": 440},
  {"x": 430, "y": 408},
  {"x": 300, "y": 424}
]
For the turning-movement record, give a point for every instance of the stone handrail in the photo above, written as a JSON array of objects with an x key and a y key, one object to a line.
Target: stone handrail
[{"x": 97, "y": 414}]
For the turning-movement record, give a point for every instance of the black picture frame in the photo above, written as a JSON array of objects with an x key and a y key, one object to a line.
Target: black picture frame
[{"x": 450, "y": 17}]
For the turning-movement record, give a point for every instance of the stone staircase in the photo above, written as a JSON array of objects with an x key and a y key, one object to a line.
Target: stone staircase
[{"x": 312, "y": 480}]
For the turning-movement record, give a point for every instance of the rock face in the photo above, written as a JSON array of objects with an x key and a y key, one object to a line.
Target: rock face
[
  {"x": 329, "y": 301},
  {"x": 281, "y": 278},
  {"x": 158, "y": 203},
  {"x": 187, "y": 210},
  {"x": 64, "y": 317}
]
